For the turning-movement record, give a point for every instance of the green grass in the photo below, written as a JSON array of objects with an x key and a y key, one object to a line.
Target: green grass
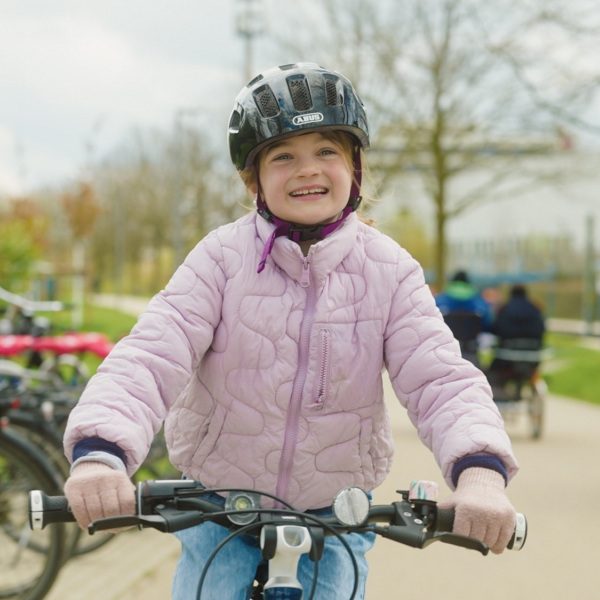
[
  {"x": 112, "y": 323},
  {"x": 573, "y": 369}
]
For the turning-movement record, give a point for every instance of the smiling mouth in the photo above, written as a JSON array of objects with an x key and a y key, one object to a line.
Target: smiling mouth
[{"x": 313, "y": 191}]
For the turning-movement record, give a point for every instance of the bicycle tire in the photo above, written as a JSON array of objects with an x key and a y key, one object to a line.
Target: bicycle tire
[
  {"x": 536, "y": 409},
  {"x": 29, "y": 561},
  {"x": 78, "y": 542}
]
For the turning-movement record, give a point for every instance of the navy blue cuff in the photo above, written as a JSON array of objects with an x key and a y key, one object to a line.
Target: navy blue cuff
[
  {"x": 486, "y": 461},
  {"x": 88, "y": 445}
]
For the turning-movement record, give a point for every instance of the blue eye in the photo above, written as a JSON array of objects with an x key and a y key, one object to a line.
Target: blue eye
[{"x": 327, "y": 151}]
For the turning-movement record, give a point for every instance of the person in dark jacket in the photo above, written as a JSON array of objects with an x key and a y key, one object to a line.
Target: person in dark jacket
[
  {"x": 519, "y": 326},
  {"x": 519, "y": 318}
]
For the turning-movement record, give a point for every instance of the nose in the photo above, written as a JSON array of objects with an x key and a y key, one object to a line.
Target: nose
[{"x": 307, "y": 166}]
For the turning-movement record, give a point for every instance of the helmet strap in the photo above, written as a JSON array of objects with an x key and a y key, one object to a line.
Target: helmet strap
[{"x": 303, "y": 233}]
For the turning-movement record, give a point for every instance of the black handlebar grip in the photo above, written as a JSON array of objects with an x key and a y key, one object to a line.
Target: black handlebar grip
[
  {"x": 44, "y": 509},
  {"x": 445, "y": 522}
]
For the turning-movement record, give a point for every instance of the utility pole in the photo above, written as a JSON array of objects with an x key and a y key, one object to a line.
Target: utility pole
[
  {"x": 249, "y": 23},
  {"x": 589, "y": 277}
]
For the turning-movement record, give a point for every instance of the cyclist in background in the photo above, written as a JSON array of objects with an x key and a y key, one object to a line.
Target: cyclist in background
[
  {"x": 519, "y": 317},
  {"x": 265, "y": 352},
  {"x": 519, "y": 325},
  {"x": 466, "y": 312}
]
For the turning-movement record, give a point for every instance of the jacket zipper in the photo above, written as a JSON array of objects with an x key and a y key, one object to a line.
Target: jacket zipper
[
  {"x": 293, "y": 412},
  {"x": 323, "y": 368}
]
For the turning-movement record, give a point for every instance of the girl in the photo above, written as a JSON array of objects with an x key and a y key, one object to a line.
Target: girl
[{"x": 264, "y": 353}]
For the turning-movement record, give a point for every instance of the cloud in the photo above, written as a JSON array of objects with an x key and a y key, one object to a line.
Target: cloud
[
  {"x": 65, "y": 69},
  {"x": 9, "y": 180}
]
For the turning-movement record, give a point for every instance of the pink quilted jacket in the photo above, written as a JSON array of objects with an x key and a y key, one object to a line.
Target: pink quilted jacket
[{"x": 273, "y": 381}]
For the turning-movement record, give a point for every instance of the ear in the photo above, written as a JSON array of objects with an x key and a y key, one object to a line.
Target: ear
[{"x": 253, "y": 188}]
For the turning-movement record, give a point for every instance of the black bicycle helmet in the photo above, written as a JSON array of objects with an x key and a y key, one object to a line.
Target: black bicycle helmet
[{"x": 292, "y": 98}]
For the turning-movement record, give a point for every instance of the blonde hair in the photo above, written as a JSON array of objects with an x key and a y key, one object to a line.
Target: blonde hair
[{"x": 347, "y": 143}]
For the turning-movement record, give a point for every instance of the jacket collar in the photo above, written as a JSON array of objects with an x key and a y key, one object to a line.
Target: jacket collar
[{"x": 324, "y": 256}]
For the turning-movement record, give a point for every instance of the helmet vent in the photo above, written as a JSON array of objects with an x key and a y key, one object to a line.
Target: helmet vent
[
  {"x": 300, "y": 94},
  {"x": 331, "y": 96},
  {"x": 234, "y": 122},
  {"x": 266, "y": 102},
  {"x": 254, "y": 81}
]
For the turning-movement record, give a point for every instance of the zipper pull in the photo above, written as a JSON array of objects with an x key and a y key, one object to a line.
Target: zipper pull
[{"x": 305, "y": 279}]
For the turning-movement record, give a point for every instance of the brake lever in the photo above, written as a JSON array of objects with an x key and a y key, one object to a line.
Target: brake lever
[
  {"x": 416, "y": 538},
  {"x": 114, "y": 523},
  {"x": 166, "y": 519},
  {"x": 456, "y": 540}
]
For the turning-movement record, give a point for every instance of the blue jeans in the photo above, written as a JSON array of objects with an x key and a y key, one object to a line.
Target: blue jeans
[{"x": 231, "y": 573}]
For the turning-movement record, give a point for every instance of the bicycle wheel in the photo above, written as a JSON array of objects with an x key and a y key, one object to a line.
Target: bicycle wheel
[
  {"x": 535, "y": 407},
  {"x": 29, "y": 561}
]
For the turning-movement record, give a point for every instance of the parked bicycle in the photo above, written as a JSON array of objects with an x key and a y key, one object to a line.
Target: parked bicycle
[
  {"x": 284, "y": 534},
  {"x": 58, "y": 360},
  {"x": 21, "y": 314},
  {"x": 39, "y": 413},
  {"x": 30, "y": 560},
  {"x": 26, "y": 336}
]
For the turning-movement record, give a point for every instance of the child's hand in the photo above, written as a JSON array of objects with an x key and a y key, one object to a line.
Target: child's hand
[
  {"x": 95, "y": 491},
  {"x": 482, "y": 509}
]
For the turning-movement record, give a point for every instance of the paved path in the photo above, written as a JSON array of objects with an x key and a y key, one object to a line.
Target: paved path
[
  {"x": 558, "y": 489},
  {"x": 574, "y": 326},
  {"x": 133, "y": 305},
  {"x": 134, "y": 565}
]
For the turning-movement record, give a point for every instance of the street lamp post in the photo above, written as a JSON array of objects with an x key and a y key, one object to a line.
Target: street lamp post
[{"x": 249, "y": 23}]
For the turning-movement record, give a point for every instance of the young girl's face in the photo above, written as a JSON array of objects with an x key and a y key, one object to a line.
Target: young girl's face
[{"x": 305, "y": 179}]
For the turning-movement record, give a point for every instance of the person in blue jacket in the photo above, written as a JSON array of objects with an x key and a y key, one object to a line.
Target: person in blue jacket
[{"x": 466, "y": 312}]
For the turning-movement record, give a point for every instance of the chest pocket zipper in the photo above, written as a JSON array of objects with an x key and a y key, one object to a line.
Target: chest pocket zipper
[{"x": 324, "y": 368}]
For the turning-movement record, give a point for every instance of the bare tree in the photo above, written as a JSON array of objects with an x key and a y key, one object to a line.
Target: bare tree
[
  {"x": 161, "y": 193},
  {"x": 463, "y": 87},
  {"x": 82, "y": 209}
]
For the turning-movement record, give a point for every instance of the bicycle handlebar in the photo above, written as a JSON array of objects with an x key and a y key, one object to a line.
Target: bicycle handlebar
[
  {"x": 31, "y": 305},
  {"x": 172, "y": 505}
]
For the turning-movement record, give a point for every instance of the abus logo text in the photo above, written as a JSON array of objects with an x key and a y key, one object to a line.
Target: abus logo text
[{"x": 304, "y": 119}]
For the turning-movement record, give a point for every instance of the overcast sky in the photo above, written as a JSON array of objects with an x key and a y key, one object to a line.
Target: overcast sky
[{"x": 77, "y": 75}]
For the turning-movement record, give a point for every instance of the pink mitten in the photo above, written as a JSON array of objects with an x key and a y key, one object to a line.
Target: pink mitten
[
  {"x": 482, "y": 509},
  {"x": 95, "y": 491}
]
